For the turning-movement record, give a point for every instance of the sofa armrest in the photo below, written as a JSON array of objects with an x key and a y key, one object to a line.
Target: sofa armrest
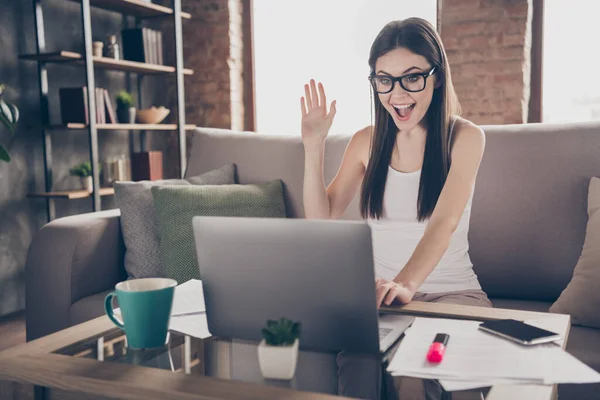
[{"x": 69, "y": 259}]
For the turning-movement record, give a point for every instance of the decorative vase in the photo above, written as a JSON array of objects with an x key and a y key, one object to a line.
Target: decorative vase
[
  {"x": 112, "y": 49},
  {"x": 132, "y": 113},
  {"x": 97, "y": 49},
  {"x": 278, "y": 362},
  {"x": 126, "y": 115},
  {"x": 87, "y": 183}
]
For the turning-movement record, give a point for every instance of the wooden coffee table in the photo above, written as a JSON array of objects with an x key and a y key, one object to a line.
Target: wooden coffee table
[{"x": 91, "y": 361}]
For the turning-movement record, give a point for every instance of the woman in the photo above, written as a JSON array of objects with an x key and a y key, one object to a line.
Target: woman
[{"x": 416, "y": 169}]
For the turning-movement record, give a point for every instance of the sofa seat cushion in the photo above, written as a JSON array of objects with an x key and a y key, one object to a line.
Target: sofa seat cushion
[
  {"x": 583, "y": 343},
  {"x": 88, "y": 308}
]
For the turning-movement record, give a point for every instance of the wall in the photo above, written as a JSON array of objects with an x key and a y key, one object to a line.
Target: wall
[
  {"x": 212, "y": 47},
  {"x": 21, "y": 217},
  {"x": 488, "y": 43},
  {"x": 207, "y": 49}
]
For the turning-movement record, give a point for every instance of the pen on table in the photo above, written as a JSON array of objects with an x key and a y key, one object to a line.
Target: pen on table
[{"x": 437, "y": 348}]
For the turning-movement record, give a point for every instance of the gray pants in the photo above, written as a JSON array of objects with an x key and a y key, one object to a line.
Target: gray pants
[{"x": 361, "y": 375}]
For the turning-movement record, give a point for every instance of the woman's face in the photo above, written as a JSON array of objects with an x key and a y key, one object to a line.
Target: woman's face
[{"x": 406, "y": 108}]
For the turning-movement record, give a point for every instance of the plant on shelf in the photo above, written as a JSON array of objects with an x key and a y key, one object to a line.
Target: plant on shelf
[
  {"x": 125, "y": 108},
  {"x": 84, "y": 171},
  {"x": 9, "y": 116},
  {"x": 278, "y": 351}
]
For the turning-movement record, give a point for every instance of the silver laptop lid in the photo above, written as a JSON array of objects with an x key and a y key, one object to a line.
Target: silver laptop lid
[{"x": 318, "y": 272}]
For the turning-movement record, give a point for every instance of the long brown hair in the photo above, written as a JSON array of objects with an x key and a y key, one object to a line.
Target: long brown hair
[{"x": 418, "y": 36}]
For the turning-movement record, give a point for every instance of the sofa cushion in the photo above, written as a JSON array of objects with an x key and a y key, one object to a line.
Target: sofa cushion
[
  {"x": 262, "y": 157},
  {"x": 581, "y": 297},
  {"x": 88, "y": 308},
  {"x": 584, "y": 343},
  {"x": 138, "y": 222},
  {"x": 529, "y": 213},
  {"x": 176, "y": 206}
]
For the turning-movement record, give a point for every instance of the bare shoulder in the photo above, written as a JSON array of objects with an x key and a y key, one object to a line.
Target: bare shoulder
[
  {"x": 360, "y": 143},
  {"x": 363, "y": 136},
  {"x": 467, "y": 136}
]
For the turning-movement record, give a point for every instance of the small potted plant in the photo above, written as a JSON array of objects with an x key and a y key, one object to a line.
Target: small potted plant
[
  {"x": 125, "y": 108},
  {"x": 278, "y": 351},
  {"x": 84, "y": 172}
]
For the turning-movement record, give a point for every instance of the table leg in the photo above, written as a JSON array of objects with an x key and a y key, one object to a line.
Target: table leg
[{"x": 40, "y": 393}]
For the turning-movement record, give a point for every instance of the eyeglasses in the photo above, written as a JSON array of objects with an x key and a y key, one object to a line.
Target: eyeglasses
[{"x": 414, "y": 82}]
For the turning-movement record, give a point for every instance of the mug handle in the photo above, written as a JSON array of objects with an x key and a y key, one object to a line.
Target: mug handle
[{"x": 108, "y": 307}]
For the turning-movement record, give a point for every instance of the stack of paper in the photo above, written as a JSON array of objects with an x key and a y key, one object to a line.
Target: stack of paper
[
  {"x": 476, "y": 359},
  {"x": 188, "y": 314}
]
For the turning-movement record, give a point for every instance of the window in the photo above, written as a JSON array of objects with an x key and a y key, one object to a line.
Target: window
[
  {"x": 327, "y": 40},
  {"x": 571, "y": 88}
]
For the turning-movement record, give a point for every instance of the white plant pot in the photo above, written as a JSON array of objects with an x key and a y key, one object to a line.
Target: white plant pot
[
  {"x": 87, "y": 183},
  {"x": 277, "y": 362}
]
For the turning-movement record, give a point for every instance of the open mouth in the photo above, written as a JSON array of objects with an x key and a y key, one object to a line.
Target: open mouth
[{"x": 403, "y": 111}]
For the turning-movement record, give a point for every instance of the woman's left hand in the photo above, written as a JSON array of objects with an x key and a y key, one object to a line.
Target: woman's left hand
[{"x": 388, "y": 291}]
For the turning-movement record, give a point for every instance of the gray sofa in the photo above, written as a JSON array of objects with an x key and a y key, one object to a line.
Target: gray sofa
[{"x": 527, "y": 226}]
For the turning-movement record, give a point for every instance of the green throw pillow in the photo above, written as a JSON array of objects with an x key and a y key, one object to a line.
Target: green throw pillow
[{"x": 175, "y": 206}]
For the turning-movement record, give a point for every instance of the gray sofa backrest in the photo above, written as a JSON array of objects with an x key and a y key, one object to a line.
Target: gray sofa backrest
[
  {"x": 261, "y": 157},
  {"x": 529, "y": 209}
]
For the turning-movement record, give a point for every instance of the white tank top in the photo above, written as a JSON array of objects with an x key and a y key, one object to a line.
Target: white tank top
[{"x": 396, "y": 235}]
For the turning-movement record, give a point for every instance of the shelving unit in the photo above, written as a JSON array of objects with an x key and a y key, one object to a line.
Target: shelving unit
[
  {"x": 123, "y": 127},
  {"x": 105, "y": 63},
  {"x": 72, "y": 194},
  {"x": 136, "y": 8},
  {"x": 141, "y": 10}
]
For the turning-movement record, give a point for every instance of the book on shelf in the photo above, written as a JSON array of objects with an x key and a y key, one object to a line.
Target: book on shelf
[
  {"x": 110, "y": 114},
  {"x": 74, "y": 106},
  {"x": 142, "y": 45}
]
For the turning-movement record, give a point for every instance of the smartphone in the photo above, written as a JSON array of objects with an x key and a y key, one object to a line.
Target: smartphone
[{"x": 519, "y": 332}]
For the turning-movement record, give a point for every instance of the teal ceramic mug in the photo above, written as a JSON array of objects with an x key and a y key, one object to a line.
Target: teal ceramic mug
[{"x": 145, "y": 309}]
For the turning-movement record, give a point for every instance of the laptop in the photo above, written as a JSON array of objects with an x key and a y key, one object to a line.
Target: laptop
[{"x": 318, "y": 272}]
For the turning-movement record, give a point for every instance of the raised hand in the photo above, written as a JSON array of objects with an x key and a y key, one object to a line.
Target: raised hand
[{"x": 316, "y": 121}]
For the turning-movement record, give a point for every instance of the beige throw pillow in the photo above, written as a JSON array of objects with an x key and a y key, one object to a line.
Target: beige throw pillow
[{"x": 581, "y": 297}]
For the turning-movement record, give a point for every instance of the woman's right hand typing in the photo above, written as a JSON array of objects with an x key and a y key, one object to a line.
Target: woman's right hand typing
[{"x": 316, "y": 121}]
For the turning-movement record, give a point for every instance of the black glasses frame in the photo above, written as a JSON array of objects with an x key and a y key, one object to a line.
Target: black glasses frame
[{"x": 398, "y": 79}]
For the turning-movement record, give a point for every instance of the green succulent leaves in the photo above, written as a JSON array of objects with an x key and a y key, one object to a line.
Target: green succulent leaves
[{"x": 282, "y": 332}]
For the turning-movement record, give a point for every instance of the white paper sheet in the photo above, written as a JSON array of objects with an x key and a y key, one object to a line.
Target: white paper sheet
[
  {"x": 451, "y": 385},
  {"x": 194, "y": 325},
  {"x": 470, "y": 353},
  {"x": 475, "y": 359},
  {"x": 188, "y": 313},
  {"x": 564, "y": 368},
  {"x": 188, "y": 298}
]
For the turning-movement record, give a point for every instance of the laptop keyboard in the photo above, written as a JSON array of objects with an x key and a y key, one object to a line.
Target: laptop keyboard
[{"x": 383, "y": 332}]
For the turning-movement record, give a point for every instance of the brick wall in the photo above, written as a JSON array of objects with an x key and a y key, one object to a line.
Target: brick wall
[
  {"x": 488, "y": 43},
  {"x": 213, "y": 48}
]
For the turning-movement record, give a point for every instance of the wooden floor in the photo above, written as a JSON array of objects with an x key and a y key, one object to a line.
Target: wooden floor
[{"x": 12, "y": 330}]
